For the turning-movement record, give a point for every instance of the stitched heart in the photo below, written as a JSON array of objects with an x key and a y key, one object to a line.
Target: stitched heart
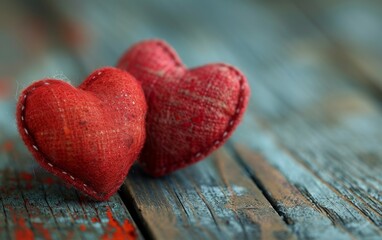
[
  {"x": 191, "y": 112},
  {"x": 89, "y": 136}
]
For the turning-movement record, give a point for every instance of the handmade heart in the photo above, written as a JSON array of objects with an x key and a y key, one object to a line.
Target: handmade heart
[
  {"x": 191, "y": 112},
  {"x": 88, "y": 136}
]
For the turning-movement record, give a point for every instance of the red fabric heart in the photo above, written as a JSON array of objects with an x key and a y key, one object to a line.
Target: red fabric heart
[
  {"x": 191, "y": 112},
  {"x": 89, "y": 136}
]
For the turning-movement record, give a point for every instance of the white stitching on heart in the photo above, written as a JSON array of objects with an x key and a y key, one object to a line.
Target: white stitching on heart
[
  {"x": 234, "y": 117},
  {"x": 85, "y": 186}
]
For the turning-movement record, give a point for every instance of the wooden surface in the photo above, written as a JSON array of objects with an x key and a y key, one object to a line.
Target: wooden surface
[{"x": 305, "y": 163}]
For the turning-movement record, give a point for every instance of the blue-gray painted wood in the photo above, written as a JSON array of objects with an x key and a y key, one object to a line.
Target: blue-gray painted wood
[
  {"x": 214, "y": 199},
  {"x": 37, "y": 205}
]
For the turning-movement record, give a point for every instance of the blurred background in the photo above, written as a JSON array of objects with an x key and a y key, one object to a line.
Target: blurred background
[
  {"x": 320, "y": 58},
  {"x": 312, "y": 132},
  {"x": 295, "y": 53}
]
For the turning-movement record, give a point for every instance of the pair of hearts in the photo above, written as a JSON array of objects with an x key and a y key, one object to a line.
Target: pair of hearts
[{"x": 91, "y": 135}]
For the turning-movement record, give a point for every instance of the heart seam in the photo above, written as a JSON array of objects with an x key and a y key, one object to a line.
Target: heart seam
[
  {"x": 218, "y": 142},
  {"x": 57, "y": 170}
]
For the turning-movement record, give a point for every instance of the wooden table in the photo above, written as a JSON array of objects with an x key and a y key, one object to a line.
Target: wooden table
[{"x": 306, "y": 163}]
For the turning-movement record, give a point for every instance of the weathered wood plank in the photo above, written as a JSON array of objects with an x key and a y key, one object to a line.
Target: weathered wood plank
[
  {"x": 214, "y": 199},
  {"x": 346, "y": 104},
  {"x": 37, "y": 205},
  {"x": 329, "y": 195},
  {"x": 323, "y": 125},
  {"x": 299, "y": 212}
]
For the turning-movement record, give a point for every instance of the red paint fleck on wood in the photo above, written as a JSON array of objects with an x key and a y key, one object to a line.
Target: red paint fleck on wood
[
  {"x": 83, "y": 227},
  {"x": 114, "y": 230},
  {"x": 22, "y": 232},
  {"x": 26, "y": 176},
  {"x": 48, "y": 180},
  {"x": 7, "y": 146}
]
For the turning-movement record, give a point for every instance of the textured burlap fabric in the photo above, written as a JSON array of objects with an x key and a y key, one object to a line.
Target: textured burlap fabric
[
  {"x": 89, "y": 136},
  {"x": 191, "y": 112}
]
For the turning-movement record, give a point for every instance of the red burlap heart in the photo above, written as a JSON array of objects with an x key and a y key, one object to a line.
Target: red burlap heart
[
  {"x": 191, "y": 112},
  {"x": 90, "y": 135}
]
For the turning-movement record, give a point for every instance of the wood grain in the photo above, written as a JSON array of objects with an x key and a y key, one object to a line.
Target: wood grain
[
  {"x": 299, "y": 212},
  {"x": 37, "y": 205},
  {"x": 214, "y": 199},
  {"x": 323, "y": 123}
]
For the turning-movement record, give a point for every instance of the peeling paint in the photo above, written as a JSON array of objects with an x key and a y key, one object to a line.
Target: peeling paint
[
  {"x": 116, "y": 231},
  {"x": 48, "y": 180},
  {"x": 82, "y": 227},
  {"x": 26, "y": 176},
  {"x": 22, "y": 232}
]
